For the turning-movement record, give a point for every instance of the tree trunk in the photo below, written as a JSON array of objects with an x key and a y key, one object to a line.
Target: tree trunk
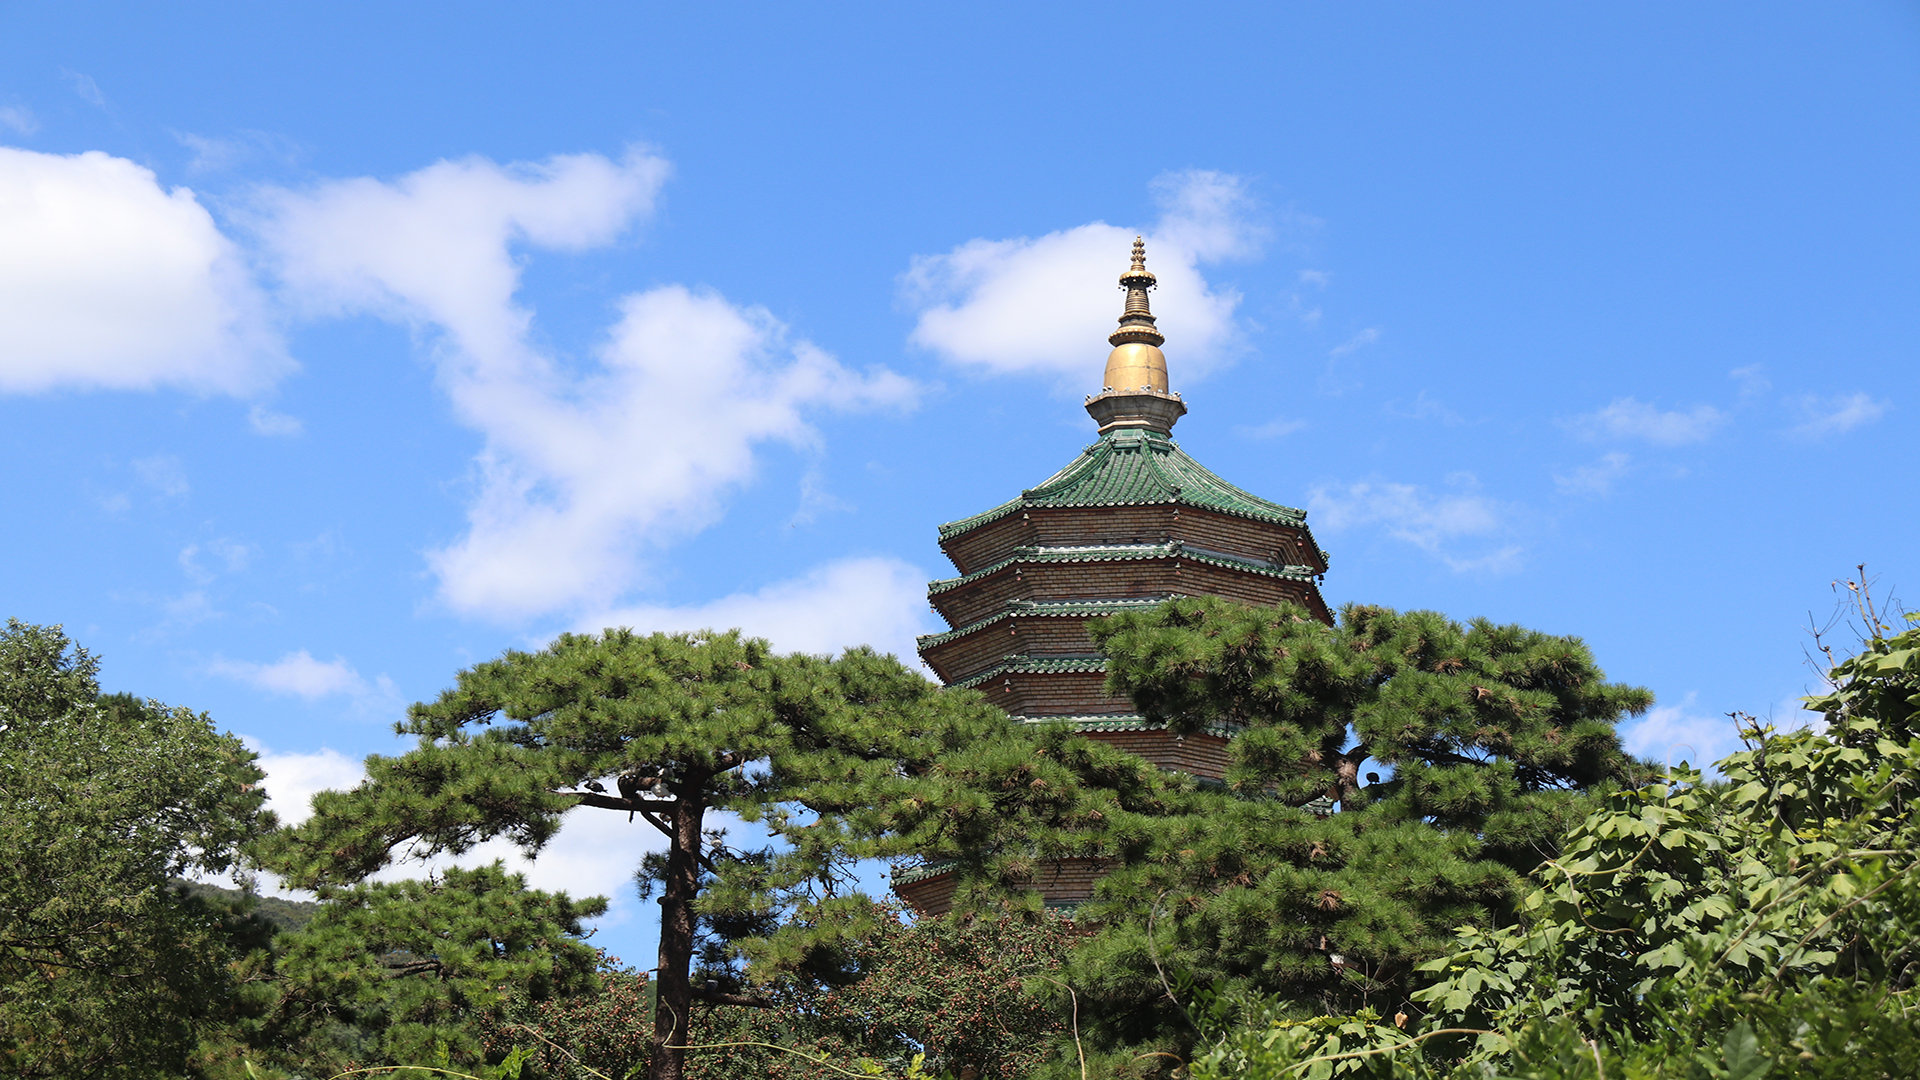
[{"x": 674, "y": 994}]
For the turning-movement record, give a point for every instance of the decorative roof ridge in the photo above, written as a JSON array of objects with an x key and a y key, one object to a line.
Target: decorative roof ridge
[
  {"x": 1043, "y": 609},
  {"x": 1123, "y": 553},
  {"x": 913, "y": 875},
  {"x": 1022, "y": 664}
]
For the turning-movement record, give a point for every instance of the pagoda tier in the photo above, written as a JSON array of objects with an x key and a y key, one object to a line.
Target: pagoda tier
[{"x": 1131, "y": 522}]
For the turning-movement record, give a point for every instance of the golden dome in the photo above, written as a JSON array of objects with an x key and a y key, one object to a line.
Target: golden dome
[{"x": 1136, "y": 365}]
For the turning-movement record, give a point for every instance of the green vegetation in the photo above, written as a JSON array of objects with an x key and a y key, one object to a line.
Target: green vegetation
[
  {"x": 107, "y": 969},
  {"x": 1510, "y": 895}
]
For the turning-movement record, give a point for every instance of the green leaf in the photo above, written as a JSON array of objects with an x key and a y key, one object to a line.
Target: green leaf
[{"x": 1743, "y": 1058}]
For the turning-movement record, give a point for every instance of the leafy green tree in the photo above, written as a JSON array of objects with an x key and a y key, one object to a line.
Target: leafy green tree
[
  {"x": 107, "y": 967},
  {"x": 821, "y": 753},
  {"x": 1308, "y": 873},
  {"x": 409, "y": 971}
]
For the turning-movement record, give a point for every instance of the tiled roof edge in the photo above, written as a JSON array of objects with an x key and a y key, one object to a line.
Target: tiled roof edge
[
  {"x": 1028, "y": 665},
  {"x": 1042, "y": 609},
  {"x": 1119, "y": 553}
]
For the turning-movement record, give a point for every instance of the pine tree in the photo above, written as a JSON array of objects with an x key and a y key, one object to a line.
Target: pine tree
[
  {"x": 1308, "y": 872},
  {"x": 669, "y": 729}
]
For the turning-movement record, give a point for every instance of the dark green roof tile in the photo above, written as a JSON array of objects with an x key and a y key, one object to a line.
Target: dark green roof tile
[
  {"x": 1031, "y": 665},
  {"x": 1080, "y": 609},
  {"x": 1121, "y": 553},
  {"x": 1135, "y": 467}
]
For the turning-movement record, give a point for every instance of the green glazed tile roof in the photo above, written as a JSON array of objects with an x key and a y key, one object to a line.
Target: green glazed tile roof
[
  {"x": 1123, "y": 552},
  {"x": 1030, "y": 665},
  {"x": 1135, "y": 467},
  {"x": 1043, "y": 608},
  {"x": 907, "y": 875}
]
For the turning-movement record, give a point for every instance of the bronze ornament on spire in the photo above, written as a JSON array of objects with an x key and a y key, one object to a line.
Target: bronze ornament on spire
[{"x": 1135, "y": 392}]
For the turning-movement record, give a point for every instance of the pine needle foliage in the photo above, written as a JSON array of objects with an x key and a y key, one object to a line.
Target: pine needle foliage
[
  {"x": 668, "y": 729},
  {"x": 1301, "y": 875}
]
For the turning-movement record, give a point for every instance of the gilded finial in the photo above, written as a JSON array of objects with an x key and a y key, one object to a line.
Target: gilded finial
[
  {"x": 1136, "y": 343},
  {"x": 1135, "y": 393}
]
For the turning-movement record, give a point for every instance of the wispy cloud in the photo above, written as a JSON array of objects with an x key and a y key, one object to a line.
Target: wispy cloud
[
  {"x": 83, "y": 85},
  {"x": 1423, "y": 407},
  {"x": 1595, "y": 479},
  {"x": 230, "y": 556},
  {"x": 686, "y": 381},
  {"x": 164, "y": 474},
  {"x": 1752, "y": 381},
  {"x": 1630, "y": 418},
  {"x": 1354, "y": 344},
  {"x": 1822, "y": 417},
  {"x": 213, "y": 154},
  {"x": 1039, "y": 304},
  {"x": 18, "y": 119},
  {"x": 265, "y": 421},
  {"x": 1463, "y": 529}
]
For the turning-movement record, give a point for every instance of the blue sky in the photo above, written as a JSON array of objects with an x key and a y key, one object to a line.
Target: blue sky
[{"x": 344, "y": 345}]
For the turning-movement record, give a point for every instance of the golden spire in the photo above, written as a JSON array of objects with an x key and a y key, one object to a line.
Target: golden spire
[
  {"x": 1136, "y": 362},
  {"x": 1135, "y": 394}
]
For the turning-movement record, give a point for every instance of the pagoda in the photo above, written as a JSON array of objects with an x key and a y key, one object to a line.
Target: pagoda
[{"x": 1131, "y": 522}]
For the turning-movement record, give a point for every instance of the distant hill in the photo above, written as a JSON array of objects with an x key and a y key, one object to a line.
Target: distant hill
[{"x": 283, "y": 914}]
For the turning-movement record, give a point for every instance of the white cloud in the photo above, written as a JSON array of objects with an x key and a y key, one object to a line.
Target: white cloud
[
  {"x": 1628, "y": 418},
  {"x": 293, "y": 778},
  {"x": 1047, "y": 304},
  {"x": 1440, "y": 524},
  {"x": 108, "y": 280},
  {"x": 265, "y": 421},
  {"x": 1595, "y": 479},
  {"x": 1670, "y": 734},
  {"x": 581, "y": 472},
  {"x": 594, "y": 854},
  {"x": 1836, "y": 415},
  {"x": 873, "y": 601},
  {"x": 298, "y": 674},
  {"x": 18, "y": 119}
]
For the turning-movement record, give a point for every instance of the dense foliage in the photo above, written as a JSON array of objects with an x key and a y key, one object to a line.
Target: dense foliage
[
  {"x": 107, "y": 967},
  {"x": 405, "y": 971},
  {"x": 1689, "y": 929},
  {"x": 1512, "y": 898},
  {"x": 953, "y": 993},
  {"x": 1306, "y": 874}
]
